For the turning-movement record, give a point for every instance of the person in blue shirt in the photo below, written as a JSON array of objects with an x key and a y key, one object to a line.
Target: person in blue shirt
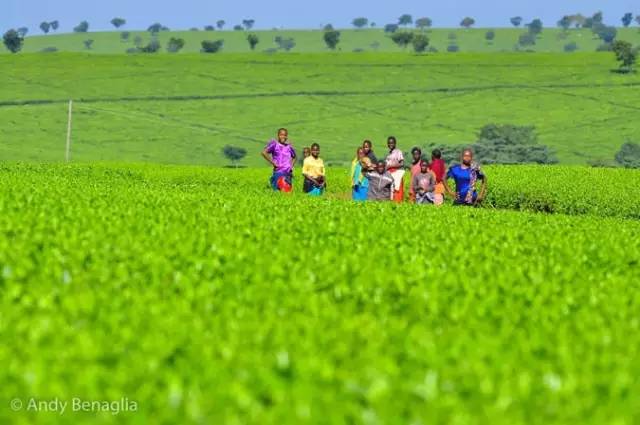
[{"x": 466, "y": 176}]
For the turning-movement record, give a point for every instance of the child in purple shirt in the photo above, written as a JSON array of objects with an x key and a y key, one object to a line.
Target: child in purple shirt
[{"x": 282, "y": 156}]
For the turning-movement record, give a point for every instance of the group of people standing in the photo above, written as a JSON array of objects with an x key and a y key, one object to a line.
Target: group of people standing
[{"x": 377, "y": 179}]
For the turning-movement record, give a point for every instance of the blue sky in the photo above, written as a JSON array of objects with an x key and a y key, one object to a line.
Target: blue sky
[{"x": 184, "y": 14}]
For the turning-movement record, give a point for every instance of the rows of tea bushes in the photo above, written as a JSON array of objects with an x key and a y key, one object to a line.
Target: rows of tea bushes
[{"x": 207, "y": 299}]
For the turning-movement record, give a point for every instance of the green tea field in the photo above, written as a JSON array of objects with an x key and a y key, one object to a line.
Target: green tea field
[
  {"x": 184, "y": 109},
  {"x": 203, "y": 297}
]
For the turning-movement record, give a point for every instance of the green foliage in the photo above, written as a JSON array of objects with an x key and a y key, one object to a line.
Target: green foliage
[
  {"x": 209, "y": 28},
  {"x": 248, "y": 23},
  {"x": 13, "y": 41},
  {"x": 360, "y": 22},
  {"x": 209, "y": 46},
  {"x": 453, "y": 48},
  {"x": 420, "y": 43},
  {"x": 87, "y": 44},
  {"x": 565, "y": 22},
  {"x": 516, "y": 21},
  {"x": 331, "y": 38},
  {"x": 629, "y": 155},
  {"x": 22, "y": 31},
  {"x": 175, "y": 44},
  {"x": 125, "y": 35},
  {"x": 625, "y": 54},
  {"x": 402, "y": 38},
  {"x": 82, "y": 27},
  {"x": 153, "y": 46},
  {"x": 605, "y": 33},
  {"x": 238, "y": 28},
  {"x": 170, "y": 286},
  {"x": 253, "y": 40},
  {"x": 627, "y": 19},
  {"x": 220, "y": 24},
  {"x": 527, "y": 39},
  {"x": 490, "y": 35},
  {"x": 54, "y": 25},
  {"x": 391, "y": 28}
]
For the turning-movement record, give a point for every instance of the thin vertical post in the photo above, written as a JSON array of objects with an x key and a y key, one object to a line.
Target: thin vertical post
[{"x": 68, "y": 150}]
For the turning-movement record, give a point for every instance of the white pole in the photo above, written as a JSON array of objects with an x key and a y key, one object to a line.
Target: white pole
[{"x": 67, "y": 152}]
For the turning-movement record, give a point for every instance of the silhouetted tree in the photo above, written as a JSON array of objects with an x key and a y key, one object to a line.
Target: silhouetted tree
[
  {"x": 88, "y": 44},
  {"x": 54, "y": 25},
  {"x": 209, "y": 28},
  {"x": 625, "y": 54},
  {"x": 627, "y": 19},
  {"x": 331, "y": 38},
  {"x": 234, "y": 154},
  {"x": 45, "y": 27},
  {"x": 467, "y": 22},
  {"x": 423, "y": 23},
  {"x": 565, "y": 22},
  {"x": 405, "y": 20},
  {"x": 535, "y": 26},
  {"x": 516, "y": 21},
  {"x": 118, "y": 22},
  {"x": 360, "y": 22},
  {"x": 391, "y": 28},
  {"x": 420, "y": 43},
  {"x": 402, "y": 38},
  {"x": 248, "y": 23},
  {"x": 175, "y": 44},
  {"x": 82, "y": 27},
  {"x": 124, "y": 36},
  {"x": 220, "y": 24},
  {"x": 253, "y": 41},
  {"x": 22, "y": 31},
  {"x": 154, "y": 28},
  {"x": 212, "y": 46},
  {"x": 490, "y": 35},
  {"x": 13, "y": 41},
  {"x": 238, "y": 28}
]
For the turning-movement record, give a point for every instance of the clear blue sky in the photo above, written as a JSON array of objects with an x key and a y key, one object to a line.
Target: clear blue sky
[{"x": 184, "y": 14}]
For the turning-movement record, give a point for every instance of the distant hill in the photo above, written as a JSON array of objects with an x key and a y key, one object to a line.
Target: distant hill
[{"x": 310, "y": 41}]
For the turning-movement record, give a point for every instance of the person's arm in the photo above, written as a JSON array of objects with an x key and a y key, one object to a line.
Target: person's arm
[
  {"x": 293, "y": 157},
  {"x": 447, "y": 189},
  {"x": 267, "y": 157},
  {"x": 305, "y": 172}
]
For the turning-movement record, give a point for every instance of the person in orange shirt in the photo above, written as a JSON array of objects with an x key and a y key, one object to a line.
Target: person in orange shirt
[{"x": 416, "y": 154}]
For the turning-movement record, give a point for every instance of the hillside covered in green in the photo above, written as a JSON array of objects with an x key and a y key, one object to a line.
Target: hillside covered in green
[
  {"x": 171, "y": 109},
  {"x": 311, "y": 41}
]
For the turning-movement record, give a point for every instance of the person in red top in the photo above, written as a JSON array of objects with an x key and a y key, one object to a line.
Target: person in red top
[
  {"x": 439, "y": 168},
  {"x": 416, "y": 154}
]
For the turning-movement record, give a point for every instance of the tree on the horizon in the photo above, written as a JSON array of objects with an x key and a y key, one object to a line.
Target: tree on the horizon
[
  {"x": 12, "y": 41},
  {"x": 118, "y": 22},
  {"x": 627, "y": 19},
  {"x": 467, "y": 22},
  {"x": 248, "y": 23},
  {"x": 423, "y": 23},
  {"x": 220, "y": 24},
  {"x": 54, "y": 25},
  {"x": 45, "y": 27},
  {"x": 565, "y": 22},
  {"x": 82, "y": 27},
  {"x": 360, "y": 22},
  {"x": 209, "y": 28},
  {"x": 212, "y": 46},
  {"x": 516, "y": 21},
  {"x": 577, "y": 20},
  {"x": 22, "y": 31},
  {"x": 405, "y": 20},
  {"x": 606, "y": 33},
  {"x": 391, "y": 28},
  {"x": 331, "y": 38},
  {"x": 175, "y": 44},
  {"x": 154, "y": 28},
  {"x": 535, "y": 26},
  {"x": 253, "y": 40}
]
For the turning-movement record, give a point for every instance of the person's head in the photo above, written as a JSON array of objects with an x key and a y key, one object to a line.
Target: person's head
[
  {"x": 283, "y": 135},
  {"x": 360, "y": 153},
  {"x": 306, "y": 151},
  {"x": 380, "y": 166},
  {"x": 467, "y": 156},
  {"x": 436, "y": 154},
  {"x": 424, "y": 167},
  {"x": 366, "y": 145},
  {"x": 315, "y": 150},
  {"x": 391, "y": 143},
  {"x": 417, "y": 154}
]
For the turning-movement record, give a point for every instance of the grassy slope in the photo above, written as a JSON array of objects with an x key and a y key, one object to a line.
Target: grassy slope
[
  {"x": 579, "y": 107},
  {"x": 472, "y": 40},
  {"x": 168, "y": 286}
]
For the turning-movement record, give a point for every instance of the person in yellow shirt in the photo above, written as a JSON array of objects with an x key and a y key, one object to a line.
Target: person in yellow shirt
[{"x": 313, "y": 172}]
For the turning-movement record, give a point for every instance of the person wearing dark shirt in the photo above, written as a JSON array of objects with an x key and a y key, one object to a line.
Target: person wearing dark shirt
[
  {"x": 465, "y": 176},
  {"x": 380, "y": 184},
  {"x": 368, "y": 151}
]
